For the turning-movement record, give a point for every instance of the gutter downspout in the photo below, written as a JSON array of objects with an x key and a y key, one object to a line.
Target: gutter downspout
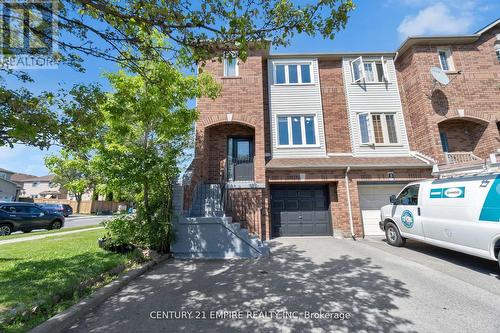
[{"x": 349, "y": 202}]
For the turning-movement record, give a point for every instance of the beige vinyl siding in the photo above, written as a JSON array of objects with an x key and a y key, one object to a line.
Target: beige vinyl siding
[
  {"x": 374, "y": 97},
  {"x": 301, "y": 99}
]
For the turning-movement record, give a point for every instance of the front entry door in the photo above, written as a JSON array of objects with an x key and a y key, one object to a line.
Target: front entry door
[{"x": 240, "y": 159}]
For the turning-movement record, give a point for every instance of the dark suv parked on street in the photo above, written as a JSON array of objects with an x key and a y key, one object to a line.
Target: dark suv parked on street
[
  {"x": 24, "y": 216},
  {"x": 62, "y": 209}
]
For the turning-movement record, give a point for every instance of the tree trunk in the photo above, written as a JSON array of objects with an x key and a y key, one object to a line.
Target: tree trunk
[
  {"x": 78, "y": 198},
  {"x": 146, "y": 201}
]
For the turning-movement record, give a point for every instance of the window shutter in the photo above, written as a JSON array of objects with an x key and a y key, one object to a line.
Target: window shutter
[{"x": 384, "y": 67}]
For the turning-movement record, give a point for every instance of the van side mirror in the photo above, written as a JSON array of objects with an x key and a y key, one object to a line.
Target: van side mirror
[{"x": 392, "y": 199}]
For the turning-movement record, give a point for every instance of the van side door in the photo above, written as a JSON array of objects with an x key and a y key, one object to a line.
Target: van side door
[{"x": 407, "y": 211}]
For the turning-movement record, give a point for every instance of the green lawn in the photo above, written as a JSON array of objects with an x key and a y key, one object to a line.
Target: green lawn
[
  {"x": 36, "y": 233},
  {"x": 33, "y": 272}
]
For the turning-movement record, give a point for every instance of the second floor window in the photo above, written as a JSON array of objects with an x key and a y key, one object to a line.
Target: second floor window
[
  {"x": 445, "y": 59},
  {"x": 369, "y": 70},
  {"x": 377, "y": 128},
  {"x": 3, "y": 175},
  {"x": 292, "y": 73},
  {"x": 230, "y": 67},
  {"x": 296, "y": 130}
]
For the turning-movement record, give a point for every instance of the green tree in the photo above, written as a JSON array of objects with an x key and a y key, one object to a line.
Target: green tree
[
  {"x": 26, "y": 118},
  {"x": 148, "y": 124},
  {"x": 72, "y": 173},
  {"x": 130, "y": 31}
]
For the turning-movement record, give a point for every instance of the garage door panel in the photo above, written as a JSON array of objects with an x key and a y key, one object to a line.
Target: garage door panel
[
  {"x": 371, "y": 198},
  {"x": 307, "y": 204},
  {"x": 277, "y": 205},
  {"x": 291, "y": 205},
  {"x": 304, "y": 212}
]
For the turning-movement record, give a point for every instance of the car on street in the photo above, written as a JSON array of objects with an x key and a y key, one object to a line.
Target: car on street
[
  {"x": 63, "y": 209},
  {"x": 25, "y": 217},
  {"x": 457, "y": 213}
]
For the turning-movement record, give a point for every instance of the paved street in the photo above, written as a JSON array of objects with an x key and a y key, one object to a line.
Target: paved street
[
  {"x": 81, "y": 220},
  {"x": 414, "y": 289}
]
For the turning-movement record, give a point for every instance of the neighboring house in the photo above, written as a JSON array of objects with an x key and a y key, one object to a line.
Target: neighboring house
[
  {"x": 459, "y": 122},
  {"x": 39, "y": 187},
  {"x": 9, "y": 190}
]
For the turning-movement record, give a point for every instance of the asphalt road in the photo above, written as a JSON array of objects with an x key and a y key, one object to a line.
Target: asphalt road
[
  {"x": 78, "y": 221},
  {"x": 384, "y": 289},
  {"x": 81, "y": 220}
]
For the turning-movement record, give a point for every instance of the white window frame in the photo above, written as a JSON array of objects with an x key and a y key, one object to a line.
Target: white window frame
[
  {"x": 449, "y": 59},
  {"x": 373, "y": 63},
  {"x": 299, "y": 73},
  {"x": 385, "y": 131},
  {"x": 236, "y": 67},
  {"x": 303, "y": 131}
]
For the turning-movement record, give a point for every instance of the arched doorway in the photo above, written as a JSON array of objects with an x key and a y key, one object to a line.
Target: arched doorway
[
  {"x": 460, "y": 138},
  {"x": 230, "y": 151}
]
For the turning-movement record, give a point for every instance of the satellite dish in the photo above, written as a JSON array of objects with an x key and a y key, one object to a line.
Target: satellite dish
[{"x": 439, "y": 75}]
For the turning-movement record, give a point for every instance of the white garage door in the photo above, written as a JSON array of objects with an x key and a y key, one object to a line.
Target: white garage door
[{"x": 371, "y": 199}]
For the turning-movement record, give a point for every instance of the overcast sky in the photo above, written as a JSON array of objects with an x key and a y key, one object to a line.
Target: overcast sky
[{"x": 373, "y": 26}]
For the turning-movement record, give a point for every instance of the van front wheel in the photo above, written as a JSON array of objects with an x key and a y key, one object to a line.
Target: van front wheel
[{"x": 393, "y": 236}]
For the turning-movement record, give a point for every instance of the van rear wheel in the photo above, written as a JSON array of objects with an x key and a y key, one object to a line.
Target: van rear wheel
[{"x": 393, "y": 236}]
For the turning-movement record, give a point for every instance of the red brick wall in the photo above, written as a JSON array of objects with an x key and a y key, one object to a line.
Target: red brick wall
[
  {"x": 242, "y": 98},
  {"x": 476, "y": 90},
  {"x": 245, "y": 206},
  {"x": 463, "y": 135},
  {"x": 335, "y": 115},
  {"x": 241, "y": 109}
]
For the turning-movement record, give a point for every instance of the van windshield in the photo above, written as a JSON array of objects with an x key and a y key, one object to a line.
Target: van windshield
[{"x": 409, "y": 196}]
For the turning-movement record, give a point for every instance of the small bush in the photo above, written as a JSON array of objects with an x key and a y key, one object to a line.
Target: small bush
[{"x": 126, "y": 230}]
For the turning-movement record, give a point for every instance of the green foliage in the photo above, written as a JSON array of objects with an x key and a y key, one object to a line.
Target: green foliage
[
  {"x": 71, "y": 171},
  {"x": 26, "y": 118},
  {"x": 128, "y": 32},
  {"x": 147, "y": 126}
]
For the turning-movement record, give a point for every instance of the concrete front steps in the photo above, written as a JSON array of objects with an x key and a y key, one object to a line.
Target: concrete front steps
[
  {"x": 206, "y": 233},
  {"x": 215, "y": 238}
]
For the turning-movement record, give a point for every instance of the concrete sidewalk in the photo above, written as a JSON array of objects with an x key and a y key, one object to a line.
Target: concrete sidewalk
[
  {"x": 382, "y": 292},
  {"x": 29, "y": 238}
]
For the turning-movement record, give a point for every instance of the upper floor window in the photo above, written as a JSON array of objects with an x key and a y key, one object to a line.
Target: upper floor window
[
  {"x": 377, "y": 128},
  {"x": 3, "y": 175},
  {"x": 297, "y": 130},
  {"x": 497, "y": 50},
  {"x": 292, "y": 73},
  {"x": 34, "y": 184},
  {"x": 231, "y": 66},
  {"x": 445, "y": 59},
  {"x": 369, "y": 70}
]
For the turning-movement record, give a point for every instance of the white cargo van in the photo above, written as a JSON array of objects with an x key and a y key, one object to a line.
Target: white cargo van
[{"x": 459, "y": 213}]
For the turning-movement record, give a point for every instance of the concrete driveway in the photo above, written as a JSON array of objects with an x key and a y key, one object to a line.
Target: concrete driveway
[{"x": 384, "y": 289}]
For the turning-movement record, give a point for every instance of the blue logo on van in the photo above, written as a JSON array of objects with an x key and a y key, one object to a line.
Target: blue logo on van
[
  {"x": 491, "y": 206},
  {"x": 407, "y": 219},
  {"x": 447, "y": 193}
]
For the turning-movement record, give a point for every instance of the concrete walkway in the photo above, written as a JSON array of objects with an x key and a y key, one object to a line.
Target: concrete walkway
[
  {"x": 381, "y": 291},
  {"x": 30, "y": 238}
]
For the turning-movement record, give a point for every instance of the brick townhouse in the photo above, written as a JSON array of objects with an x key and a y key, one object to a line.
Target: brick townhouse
[{"x": 314, "y": 144}]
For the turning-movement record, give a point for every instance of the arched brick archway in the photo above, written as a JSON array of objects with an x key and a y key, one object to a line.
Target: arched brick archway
[{"x": 468, "y": 115}]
